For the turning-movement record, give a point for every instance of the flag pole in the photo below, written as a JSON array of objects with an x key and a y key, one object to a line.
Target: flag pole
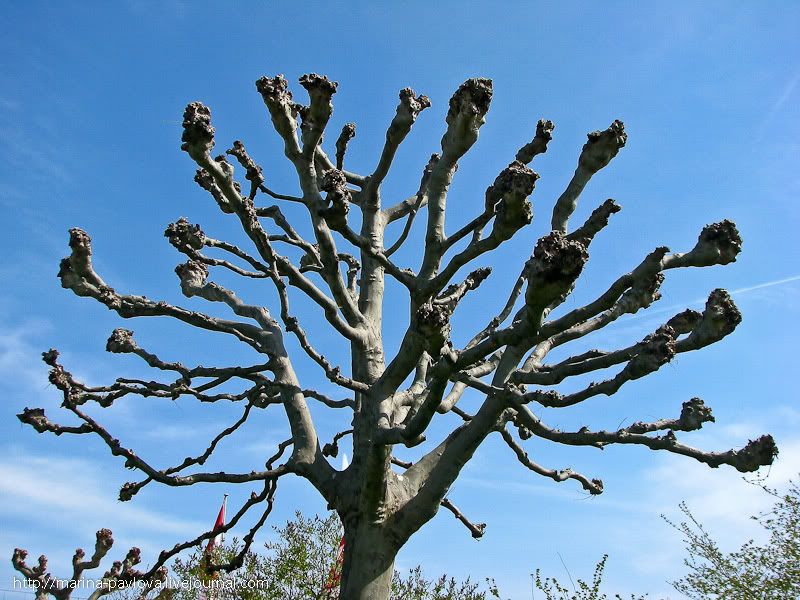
[
  {"x": 214, "y": 543},
  {"x": 224, "y": 512}
]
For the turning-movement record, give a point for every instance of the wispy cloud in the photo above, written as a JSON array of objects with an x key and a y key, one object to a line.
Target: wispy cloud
[
  {"x": 262, "y": 448},
  {"x": 9, "y": 104},
  {"x": 78, "y": 492},
  {"x": 32, "y": 152},
  {"x": 722, "y": 498},
  {"x": 52, "y": 504}
]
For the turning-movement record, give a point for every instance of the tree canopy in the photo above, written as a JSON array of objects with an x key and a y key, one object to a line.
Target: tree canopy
[{"x": 391, "y": 399}]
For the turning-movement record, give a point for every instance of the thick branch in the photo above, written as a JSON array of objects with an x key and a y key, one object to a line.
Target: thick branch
[
  {"x": 284, "y": 268},
  {"x": 315, "y": 117},
  {"x": 598, "y": 151},
  {"x": 407, "y": 112},
  {"x": 198, "y": 146},
  {"x": 718, "y": 244},
  {"x": 403, "y": 276},
  {"x": 538, "y": 145},
  {"x": 755, "y": 454},
  {"x": 468, "y": 107},
  {"x": 411, "y": 205},
  {"x": 283, "y": 110},
  {"x": 506, "y": 201},
  {"x": 596, "y": 222}
]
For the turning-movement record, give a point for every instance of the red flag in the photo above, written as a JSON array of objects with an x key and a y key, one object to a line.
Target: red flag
[
  {"x": 218, "y": 525},
  {"x": 335, "y": 575}
]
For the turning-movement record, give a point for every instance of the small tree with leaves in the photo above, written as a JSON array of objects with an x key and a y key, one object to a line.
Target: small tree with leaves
[
  {"x": 382, "y": 498},
  {"x": 553, "y": 589},
  {"x": 768, "y": 571}
]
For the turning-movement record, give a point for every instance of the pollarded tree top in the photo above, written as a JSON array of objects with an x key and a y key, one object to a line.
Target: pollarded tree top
[
  {"x": 198, "y": 133},
  {"x": 318, "y": 84},
  {"x": 602, "y": 146},
  {"x": 274, "y": 89},
  {"x": 121, "y": 341},
  {"x": 391, "y": 399},
  {"x": 182, "y": 234},
  {"x": 473, "y": 97},
  {"x": 719, "y": 243}
]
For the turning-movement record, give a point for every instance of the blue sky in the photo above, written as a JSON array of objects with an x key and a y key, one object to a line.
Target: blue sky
[{"x": 91, "y": 97}]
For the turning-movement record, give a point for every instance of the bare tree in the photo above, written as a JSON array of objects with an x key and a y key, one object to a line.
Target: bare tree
[{"x": 392, "y": 401}]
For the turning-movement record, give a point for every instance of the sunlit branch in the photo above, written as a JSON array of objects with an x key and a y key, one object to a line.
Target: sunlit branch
[
  {"x": 407, "y": 112},
  {"x": 601, "y": 147},
  {"x": 755, "y": 454}
]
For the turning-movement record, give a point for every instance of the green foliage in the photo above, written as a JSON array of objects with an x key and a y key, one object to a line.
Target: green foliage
[
  {"x": 416, "y": 587},
  {"x": 753, "y": 572},
  {"x": 296, "y": 566},
  {"x": 554, "y": 590},
  {"x": 301, "y": 559}
]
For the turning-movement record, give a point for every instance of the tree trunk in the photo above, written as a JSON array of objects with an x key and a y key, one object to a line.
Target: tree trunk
[{"x": 368, "y": 563}]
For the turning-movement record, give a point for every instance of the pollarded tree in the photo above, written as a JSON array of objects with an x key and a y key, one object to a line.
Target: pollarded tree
[
  {"x": 394, "y": 399},
  {"x": 122, "y": 574}
]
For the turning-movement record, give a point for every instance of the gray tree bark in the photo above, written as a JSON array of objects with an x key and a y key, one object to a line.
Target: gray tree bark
[{"x": 382, "y": 499}]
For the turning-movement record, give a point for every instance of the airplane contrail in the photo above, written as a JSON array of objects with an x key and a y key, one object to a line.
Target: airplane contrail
[
  {"x": 738, "y": 291},
  {"x": 777, "y": 106},
  {"x": 766, "y": 284}
]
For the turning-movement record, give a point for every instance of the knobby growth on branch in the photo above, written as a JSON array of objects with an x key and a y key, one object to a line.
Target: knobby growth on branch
[{"x": 390, "y": 402}]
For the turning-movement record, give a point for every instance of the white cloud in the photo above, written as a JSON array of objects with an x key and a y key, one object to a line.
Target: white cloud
[
  {"x": 52, "y": 505},
  {"x": 722, "y": 495},
  {"x": 722, "y": 499},
  {"x": 626, "y": 518},
  {"x": 78, "y": 492}
]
